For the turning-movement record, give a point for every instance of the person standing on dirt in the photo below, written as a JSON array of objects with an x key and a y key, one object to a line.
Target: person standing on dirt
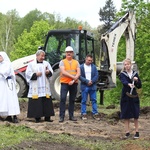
[
  {"x": 40, "y": 103},
  {"x": 70, "y": 72},
  {"x": 130, "y": 105},
  {"x": 88, "y": 78},
  {"x": 9, "y": 104}
]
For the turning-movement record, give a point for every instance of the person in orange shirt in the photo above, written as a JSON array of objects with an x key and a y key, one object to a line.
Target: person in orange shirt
[{"x": 69, "y": 74}]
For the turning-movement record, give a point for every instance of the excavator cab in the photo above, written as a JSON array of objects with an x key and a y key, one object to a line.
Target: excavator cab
[{"x": 57, "y": 40}]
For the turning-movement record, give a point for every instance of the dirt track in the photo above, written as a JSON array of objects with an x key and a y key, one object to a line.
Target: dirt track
[{"x": 107, "y": 128}]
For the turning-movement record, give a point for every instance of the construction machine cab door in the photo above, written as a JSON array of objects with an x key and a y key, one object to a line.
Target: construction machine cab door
[
  {"x": 104, "y": 56},
  {"x": 86, "y": 46}
]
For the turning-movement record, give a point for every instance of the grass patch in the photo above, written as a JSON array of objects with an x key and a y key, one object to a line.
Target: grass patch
[{"x": 13, "y": 135}]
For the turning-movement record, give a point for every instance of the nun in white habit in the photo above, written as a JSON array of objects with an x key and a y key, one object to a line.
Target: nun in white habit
[{"x": 9, "y": 104}]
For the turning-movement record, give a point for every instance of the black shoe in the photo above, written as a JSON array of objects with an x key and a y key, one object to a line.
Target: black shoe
[
  {"x": 2, "y": 119},
  {"x": 9, "y": 118},
  {"x": 127, "y": 135},
  {"x": 61, "y": 120},
  {"x": 37, "y": 120},
  {"x": 136, "y": 136},
  {"x": 48, "y": 119},
  {"x": 72, "y": 119},
  {"x": 15, "y": 119}
]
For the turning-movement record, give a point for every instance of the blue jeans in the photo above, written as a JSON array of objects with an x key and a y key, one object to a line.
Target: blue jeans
[
  {"x": 92, "y": 93},
  {"x": 72, "y": 89}
]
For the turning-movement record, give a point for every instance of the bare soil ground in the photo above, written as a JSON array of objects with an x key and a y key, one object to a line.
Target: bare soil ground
[{"x": 108, "y": 128}]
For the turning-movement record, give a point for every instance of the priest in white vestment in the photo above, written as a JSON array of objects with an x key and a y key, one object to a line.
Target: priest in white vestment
[
  {"x": 40, "y": 103},
  {"x": 9, "y": 104}
]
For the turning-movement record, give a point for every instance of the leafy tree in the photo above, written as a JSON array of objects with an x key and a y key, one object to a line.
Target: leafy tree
[
  {"x": 28, "y": 20},
  {"x": 29, "y": 41},
  {"x": 69, "y": 23},
  {"x": 143, "y": 46},
  {"x": 35, "y": 15},
  {"x": 7, "y": 30},
  {"x": 1, "y": 30},
  {"x": 50, "y": 18}
]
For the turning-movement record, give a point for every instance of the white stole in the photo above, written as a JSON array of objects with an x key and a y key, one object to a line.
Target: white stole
[{"x": 35, "y": 82}]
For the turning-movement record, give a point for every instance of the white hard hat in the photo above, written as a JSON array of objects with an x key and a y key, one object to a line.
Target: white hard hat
[{"x": 69, "y": 49}]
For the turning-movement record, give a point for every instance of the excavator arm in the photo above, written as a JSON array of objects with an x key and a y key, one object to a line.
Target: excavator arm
[{"x": 109, "y": 46}]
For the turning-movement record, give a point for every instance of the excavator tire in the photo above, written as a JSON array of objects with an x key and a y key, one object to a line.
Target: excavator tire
[
  {"x": 21, "y": 87},
  {"x": 55, "y": 85}
]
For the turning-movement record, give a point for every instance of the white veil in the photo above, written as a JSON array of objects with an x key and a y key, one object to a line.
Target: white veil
[{"x": 6, "y": 59}]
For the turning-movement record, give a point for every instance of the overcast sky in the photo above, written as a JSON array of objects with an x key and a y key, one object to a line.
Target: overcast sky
[{"x": 81, "y": 10}]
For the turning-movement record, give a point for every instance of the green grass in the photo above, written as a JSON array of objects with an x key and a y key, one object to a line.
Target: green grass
[{"x": 12, "y": 135}]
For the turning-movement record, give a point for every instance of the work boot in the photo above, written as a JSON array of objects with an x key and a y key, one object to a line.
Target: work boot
[
  {"x": 96, "y": 117},
  {"x": 61, "y": 119},
  {"x": 72, "y": 118},
  {"x": 84, "y": 117}
]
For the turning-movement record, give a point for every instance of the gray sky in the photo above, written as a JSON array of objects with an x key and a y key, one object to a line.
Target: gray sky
[{"x": 81, "y": 10}]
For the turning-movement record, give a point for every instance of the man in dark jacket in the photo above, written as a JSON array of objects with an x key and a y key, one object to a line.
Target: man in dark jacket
[{"x": 88, "y": 78}]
